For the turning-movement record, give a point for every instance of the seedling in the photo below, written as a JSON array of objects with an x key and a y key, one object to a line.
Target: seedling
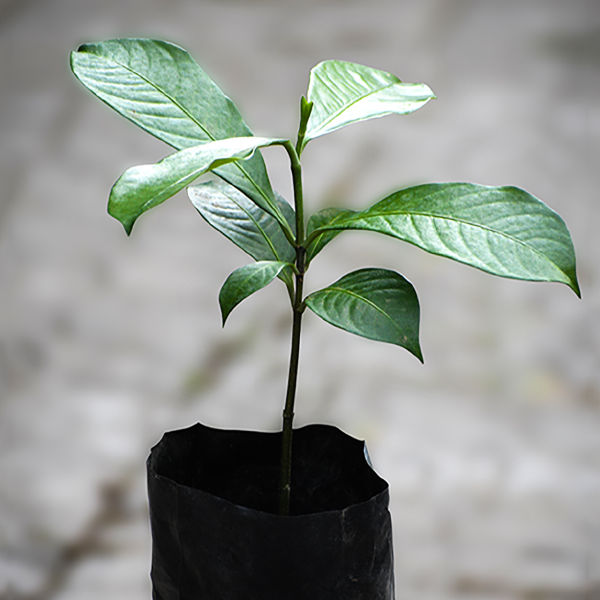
[{"x": 504, "y": 231}]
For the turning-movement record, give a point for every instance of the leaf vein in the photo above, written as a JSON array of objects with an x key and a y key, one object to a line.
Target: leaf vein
[
  {"x": 194, "y": 120},
  {"x": 434, "y": 216},
  {"x": 370, "y": 303},
  {"x": 347, "y": 106}
]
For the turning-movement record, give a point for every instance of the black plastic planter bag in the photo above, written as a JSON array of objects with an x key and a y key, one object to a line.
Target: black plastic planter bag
[{"x": 213, "y": 498}]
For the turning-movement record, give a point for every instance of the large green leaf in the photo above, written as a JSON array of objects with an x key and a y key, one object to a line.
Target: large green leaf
[
  {"x": 146, "y": 186},
  {"x": 344, "y": 93},
  {"x": 502, "y": 230},
  {"x": 160, "y": 87},
  {"x": 245, "y": 224},
  {"x": 374, "y": 303},
  {"x": 245, "y": 281}
]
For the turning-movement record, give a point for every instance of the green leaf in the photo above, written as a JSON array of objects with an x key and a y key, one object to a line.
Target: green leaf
[
  {"x": 237, "y": 218},
  {"x": 245, "y": 224},
  {"x": 159, "y": 87},
  {"x": 320, "y": 220},
  {"x": 245, "y": 281},
  {"x": 146, "y": 186},
  {"x": 374, "y": 303},
  {"x": 501, "y": 230},
  {"x": 343, "y": 93}
]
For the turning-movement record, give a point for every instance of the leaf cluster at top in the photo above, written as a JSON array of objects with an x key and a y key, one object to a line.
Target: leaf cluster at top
[{"x": 159, "y": 87}]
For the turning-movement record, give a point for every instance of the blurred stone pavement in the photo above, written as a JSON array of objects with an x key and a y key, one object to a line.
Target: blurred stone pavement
[{"x": 492, "y": 449}]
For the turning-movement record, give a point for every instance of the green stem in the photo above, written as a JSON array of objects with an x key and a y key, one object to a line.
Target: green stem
[
  {"x": 288, "y": 411},
  {"x": 298, "y": 193},
  {"x": 298, "y": 309}
]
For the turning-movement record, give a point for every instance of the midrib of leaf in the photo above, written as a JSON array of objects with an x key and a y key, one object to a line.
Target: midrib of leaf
[
  {"x": 193, "y": 119},
  {"x": 253, "y": 274},
  {"x": 164, "y": 93},
  {"x": 260, "y": 229},
  {"x": 347, "y": 106},
  {"x": 462, "y": 222},
  {"x": 365, "y": 300},
  {"x": 173, "y": 185}
]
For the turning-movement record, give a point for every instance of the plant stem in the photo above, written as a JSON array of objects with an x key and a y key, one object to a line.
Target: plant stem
[
  {"x": 298, "y": 309},
  {"x": 288, "y": 411}
]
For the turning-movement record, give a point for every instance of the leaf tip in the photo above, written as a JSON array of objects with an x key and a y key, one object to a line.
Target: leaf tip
[
  {"x": 416, "y": 351},
  {"x": 225, "y": 309},
  {"x": 126, "y": 221}
]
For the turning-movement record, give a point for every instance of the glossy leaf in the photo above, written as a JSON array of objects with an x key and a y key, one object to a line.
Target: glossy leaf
[
  {"x": 245, "y": 224},
  {"x": 245, "y": 281},
  {"x": 374, "y": 303},
  {"x": 237, "y": 218},
  {"x": 146, "y": 186},
  {"x": 502, "y": 230},
  {"x": 160, "y": 87},
  {"x": 320, "y": 220},
  {"x": 343, "y": 93}
]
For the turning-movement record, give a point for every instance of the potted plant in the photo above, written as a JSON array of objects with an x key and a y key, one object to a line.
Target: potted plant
[{"x": 239, "y": 514}]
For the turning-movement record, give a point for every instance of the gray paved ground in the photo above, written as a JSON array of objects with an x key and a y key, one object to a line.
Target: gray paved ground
[{"x": 492, "y": 449}]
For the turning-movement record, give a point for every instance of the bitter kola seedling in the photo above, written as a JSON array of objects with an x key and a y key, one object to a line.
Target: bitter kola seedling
[{"x": 159, "y": 87}]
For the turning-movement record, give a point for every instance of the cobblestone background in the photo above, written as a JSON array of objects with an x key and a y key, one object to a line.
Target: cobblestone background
[{"x": 492, "y": 449}]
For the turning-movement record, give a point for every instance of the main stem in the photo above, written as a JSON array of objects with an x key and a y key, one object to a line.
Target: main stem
[{"x": 298, "y": 309}]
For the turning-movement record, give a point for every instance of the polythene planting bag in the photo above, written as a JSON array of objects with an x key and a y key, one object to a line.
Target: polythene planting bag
[{"x": 213, "y": 498}]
